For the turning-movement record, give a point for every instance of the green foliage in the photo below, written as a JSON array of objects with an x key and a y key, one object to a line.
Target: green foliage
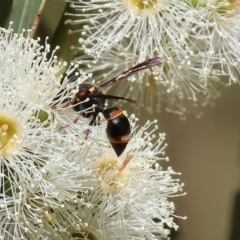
[{"x": 25, "y": 14}]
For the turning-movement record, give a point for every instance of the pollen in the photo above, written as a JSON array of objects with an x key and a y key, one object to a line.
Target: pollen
[
  {"x": 9, "y": 134},
  {"x": 229, "y": 10},
  {"x": 50, "y": 217},
  {"x": 112, "y": 179},
  {"x": 143, "y": 5}
]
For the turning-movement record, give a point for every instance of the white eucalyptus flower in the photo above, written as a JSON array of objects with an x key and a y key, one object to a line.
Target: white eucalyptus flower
[
  {"x": 56, "y": 183},
  {"x": 220, "y": 31},
  {"x": 131, "y": 198},
  {"x": 198, "y": 39},
  {"x": 40, "y": 163},
  {"x": 35, "y": 77},
  {"x": 144, "y": 25}
]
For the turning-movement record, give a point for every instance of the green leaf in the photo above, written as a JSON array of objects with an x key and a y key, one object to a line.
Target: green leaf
[{"x": 25, "y": 14}]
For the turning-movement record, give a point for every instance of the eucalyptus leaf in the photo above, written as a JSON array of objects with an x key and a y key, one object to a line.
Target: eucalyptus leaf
[{"x": 25, "y": 14}]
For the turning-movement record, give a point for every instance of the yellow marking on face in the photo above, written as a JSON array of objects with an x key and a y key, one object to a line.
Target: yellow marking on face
[{"x": 91, "y": 89}]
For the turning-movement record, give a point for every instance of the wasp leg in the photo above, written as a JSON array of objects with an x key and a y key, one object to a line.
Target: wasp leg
[
  {"x": 95, "y": 115},
  {"x": 87, "y": 133},
  {"x": 97, "y": 122},
  {"x": 65, "y": 126},
  {"x": 92, "y": 123},
  {"x": 67, "y": 104},
  {"x": 77, "y": 118},
  {"x": 74, "y": 121}
]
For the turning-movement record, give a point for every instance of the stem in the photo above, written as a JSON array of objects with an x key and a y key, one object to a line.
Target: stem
[{"x": 37, "y": 18}]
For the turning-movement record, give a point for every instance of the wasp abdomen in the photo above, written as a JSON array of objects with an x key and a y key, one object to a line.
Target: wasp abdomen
[{"x": 118, "y": 129}]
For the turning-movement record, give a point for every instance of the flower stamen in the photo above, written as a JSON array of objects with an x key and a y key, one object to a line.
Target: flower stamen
[
  {"x": 9, "y": 133},
  {"x": 112, "y": 178},
  {"x": 143, "y": 4}
]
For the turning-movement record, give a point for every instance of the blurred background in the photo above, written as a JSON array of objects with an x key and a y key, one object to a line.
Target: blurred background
[{"x": 205, "y": 151}]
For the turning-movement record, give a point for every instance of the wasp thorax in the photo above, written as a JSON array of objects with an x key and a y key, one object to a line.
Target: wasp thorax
[
  {"x": 143, "y": 4},
  {"x": 9, "y": 134}
]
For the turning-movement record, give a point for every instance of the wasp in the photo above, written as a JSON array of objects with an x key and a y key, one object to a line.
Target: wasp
[{"x": 118, "y": 126}]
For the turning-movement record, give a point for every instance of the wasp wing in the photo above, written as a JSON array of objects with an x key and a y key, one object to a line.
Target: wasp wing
[
  {"x": 144, "y": 65},
  {"x": 105, "y": 96}
]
